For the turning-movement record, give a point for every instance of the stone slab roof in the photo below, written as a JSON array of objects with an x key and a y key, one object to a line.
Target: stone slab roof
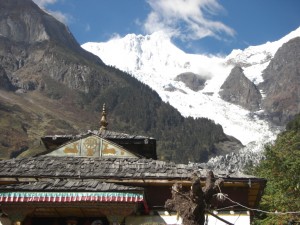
[
  {"x": 102, "y": 168},
  {"x": 104, "y": 134}
]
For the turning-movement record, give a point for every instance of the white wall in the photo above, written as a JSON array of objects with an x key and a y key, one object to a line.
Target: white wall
[
  {"x": 236, "y": 219},
  {"x": 164, "y": 219}
]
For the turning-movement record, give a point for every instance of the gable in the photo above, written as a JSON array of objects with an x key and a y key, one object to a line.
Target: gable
[{"x": 92, "y": 146}]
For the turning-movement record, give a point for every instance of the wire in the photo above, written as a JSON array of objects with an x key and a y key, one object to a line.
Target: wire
[
  {"x": 258, "y": 210},
  {"x": 227, "y": 207},
  {"x": 237, "y": 218}
]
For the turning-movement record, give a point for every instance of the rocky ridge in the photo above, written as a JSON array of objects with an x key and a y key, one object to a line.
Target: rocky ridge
[
  {"x": 281, "y": 84},
  {"x": 32, "y": 43},
  {"x": 239, "y": 90}
]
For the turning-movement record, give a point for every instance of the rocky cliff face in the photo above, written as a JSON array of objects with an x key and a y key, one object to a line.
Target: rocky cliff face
[
  {"x": 282, "y": 83},
  {"x": 239, "y": 90},
  {"x": 33, "y": 43},
  {"x": 23, "y": 21},
  {"x": 4, "y": 80}
]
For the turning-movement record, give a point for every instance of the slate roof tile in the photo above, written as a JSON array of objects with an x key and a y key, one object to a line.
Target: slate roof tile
[{"x": 83, "y": 167}]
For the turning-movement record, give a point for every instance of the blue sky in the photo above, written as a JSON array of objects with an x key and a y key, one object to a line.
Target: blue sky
[{"x": 195, "y": 26}]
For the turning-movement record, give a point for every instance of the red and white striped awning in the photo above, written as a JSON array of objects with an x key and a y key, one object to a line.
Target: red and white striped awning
[{"x": 70, "y": 197}]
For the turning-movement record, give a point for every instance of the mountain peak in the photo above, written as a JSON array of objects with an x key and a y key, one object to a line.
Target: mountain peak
[
  {"x": 158, "y": 35},
  {"x": 259, "y": 54},
  {"x": 153, "y": 52},
  {"x": 17, "y": 18},
  {"x": 156, "y": 61}
]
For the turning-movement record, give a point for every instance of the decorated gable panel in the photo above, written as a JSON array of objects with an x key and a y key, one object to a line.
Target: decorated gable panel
[
  {"x": 92, "y": 146},
  {"x": 72, "y": 149},
  {"x": 110, "y": 149}
]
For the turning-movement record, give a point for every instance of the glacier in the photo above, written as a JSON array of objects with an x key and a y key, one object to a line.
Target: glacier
[{"x": 154, "y": 60}]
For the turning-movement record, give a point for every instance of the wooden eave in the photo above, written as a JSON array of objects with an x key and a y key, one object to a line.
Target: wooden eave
[
  {"x": 127, "y": 171},
  {"x": 254, "y": 192}
]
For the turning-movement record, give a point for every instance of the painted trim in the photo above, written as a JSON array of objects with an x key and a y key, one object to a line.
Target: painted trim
[{"x": 70, "y": 197}]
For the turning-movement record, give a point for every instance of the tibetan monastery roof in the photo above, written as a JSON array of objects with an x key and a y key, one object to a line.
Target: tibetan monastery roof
[
  {"x": 101, "y": 168},
  {"x": 52, "y": 142},
  {"x": 107, "y": 134},
  {"x": 69, "y": 185},
  {"x": 117, "y": 135}
]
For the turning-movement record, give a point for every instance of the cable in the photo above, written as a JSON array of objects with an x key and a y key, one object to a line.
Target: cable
[
  {"x": 227, "y": 207},
  {"x": 237, "y": 218},
  {"x": 258, "y": 210}
]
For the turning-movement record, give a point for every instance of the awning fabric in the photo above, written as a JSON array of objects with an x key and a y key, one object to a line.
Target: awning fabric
[{"x": 70, "y": 197}]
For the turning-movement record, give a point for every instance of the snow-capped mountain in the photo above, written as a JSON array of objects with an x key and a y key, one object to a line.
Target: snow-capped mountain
[{"x": 157, "y": 62}]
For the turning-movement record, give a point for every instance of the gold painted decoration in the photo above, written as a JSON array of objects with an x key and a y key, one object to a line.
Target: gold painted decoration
[
  {"x": 103, "y": 121},
  {"x": 73, "y": 149},
  {"x": 108, "y": 150},
  {"x": 111, "y": 149},
  {"x": 92, "y": 146}
]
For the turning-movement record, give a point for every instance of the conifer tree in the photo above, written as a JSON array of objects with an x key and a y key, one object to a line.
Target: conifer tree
[{"x": 281, "y": 167}]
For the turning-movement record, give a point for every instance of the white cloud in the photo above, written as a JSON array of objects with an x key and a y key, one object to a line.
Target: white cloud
[
  {"x": 62, "y": 17},
  {"x": 186, "y": 19},
  {"x": 115, "y": 36},
  {"x": 44, "y": 3},
  {"x": 87, "y": 27}
]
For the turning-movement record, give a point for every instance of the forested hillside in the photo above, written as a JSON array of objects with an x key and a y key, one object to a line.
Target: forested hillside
[{"x": 281, "y": 167}]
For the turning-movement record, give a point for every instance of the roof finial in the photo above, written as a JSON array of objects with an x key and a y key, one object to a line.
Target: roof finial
[{"x": 103, "y": 122}]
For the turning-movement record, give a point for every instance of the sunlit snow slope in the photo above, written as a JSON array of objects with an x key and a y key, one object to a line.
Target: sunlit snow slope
[{"x": 155, "y": 61}]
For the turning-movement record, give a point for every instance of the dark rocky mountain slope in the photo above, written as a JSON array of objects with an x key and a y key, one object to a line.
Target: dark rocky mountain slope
[
  {"x": 239, "y": 90},
  {"x": 50, "y": 85},
  {"x": 282, "y": 83}
]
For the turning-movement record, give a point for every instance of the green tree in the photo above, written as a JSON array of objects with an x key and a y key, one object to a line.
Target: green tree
[{"x": 281, "y": 167}]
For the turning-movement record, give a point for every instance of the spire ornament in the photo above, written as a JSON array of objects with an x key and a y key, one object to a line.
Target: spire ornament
[{"x": 103, "y": 121}]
